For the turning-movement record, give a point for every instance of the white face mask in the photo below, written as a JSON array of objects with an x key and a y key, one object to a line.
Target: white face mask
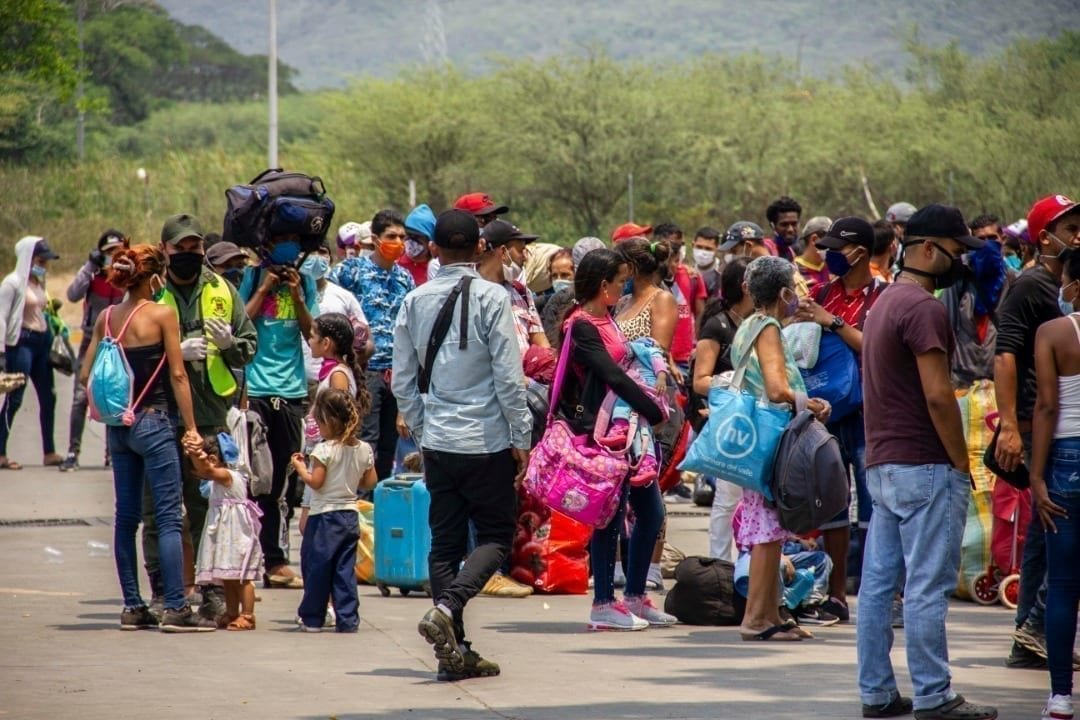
[
  {"x": 704, "y": 258},
  {"x": 728, "y": 257},
  {"x": 511, "y": 272},
  {"x": 559, "y": 285}
]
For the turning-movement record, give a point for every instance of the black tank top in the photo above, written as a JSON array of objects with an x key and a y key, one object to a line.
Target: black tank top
[{"x": 144, "y": 361}]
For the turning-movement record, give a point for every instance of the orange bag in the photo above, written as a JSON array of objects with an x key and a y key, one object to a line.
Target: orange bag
[{"x": 550, "y": 552}]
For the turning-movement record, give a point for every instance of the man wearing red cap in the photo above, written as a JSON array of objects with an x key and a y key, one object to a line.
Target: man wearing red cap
[
  {"x": 1053, "y": 225},
  {"x": 480, "y": 206}
]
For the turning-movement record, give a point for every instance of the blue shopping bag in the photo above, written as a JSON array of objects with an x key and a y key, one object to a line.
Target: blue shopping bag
[
  {"x": 740, "y": 437},
  {"x": 835, "y": 377}
]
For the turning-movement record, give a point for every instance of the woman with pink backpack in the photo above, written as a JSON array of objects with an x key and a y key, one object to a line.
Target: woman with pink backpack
[{"x": 596, "y": 359}]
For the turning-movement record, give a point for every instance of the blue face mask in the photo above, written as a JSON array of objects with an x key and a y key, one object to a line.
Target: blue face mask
[
  {"x": 1065, "y": 306},
  {"x": 38, "y": 272},
  {"x": 559, "y": 285},
  {"x": 315, "y": 267},
  {"x": 234, "y": 275},
  {"x": 1014, "y": 262},
  {"x": 837, "y": 263},
  {"x": 285, "y": 253},
  {"x": 628, "y": 287}
]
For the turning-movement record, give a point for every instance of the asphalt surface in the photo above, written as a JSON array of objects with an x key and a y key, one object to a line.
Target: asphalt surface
[{"x": 64, "y": 655}]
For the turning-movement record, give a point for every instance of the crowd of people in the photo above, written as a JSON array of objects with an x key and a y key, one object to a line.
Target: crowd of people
[{"x": 425, "y": 333}]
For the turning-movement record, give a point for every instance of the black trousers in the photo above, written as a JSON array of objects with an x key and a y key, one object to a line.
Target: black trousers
[
  {"x": 284, "y": 420},
  {"x": 468, "y": 488},
  {"x": 379, "y": 426}
]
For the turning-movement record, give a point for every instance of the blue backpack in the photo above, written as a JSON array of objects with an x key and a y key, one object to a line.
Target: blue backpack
[
  {"x": 110, "y": 385},
  {"x": 835, "y": 377}
]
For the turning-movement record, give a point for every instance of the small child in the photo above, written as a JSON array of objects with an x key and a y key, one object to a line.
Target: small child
[
  {"x": 229, "y": 551},
  {"x": 339, "y": 464},
  {"x": 331, "y": 342},
  {"x": 649, "y": 367}
]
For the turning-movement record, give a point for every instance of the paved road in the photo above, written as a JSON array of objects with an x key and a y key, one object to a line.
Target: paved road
[{"x": 62, "y": 654}]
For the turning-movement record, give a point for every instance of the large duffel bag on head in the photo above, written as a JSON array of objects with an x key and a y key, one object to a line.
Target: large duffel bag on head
[
  {"x": 704, "y": 593},
  {"x": 810, "y": 480},
  {"x": 278, "y": 203}
]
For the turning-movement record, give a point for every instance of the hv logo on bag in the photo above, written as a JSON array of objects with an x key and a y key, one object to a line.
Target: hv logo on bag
[{"x": 736, "y": 436}]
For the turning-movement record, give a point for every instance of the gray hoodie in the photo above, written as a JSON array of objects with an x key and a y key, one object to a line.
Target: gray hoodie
[{"x": 13, "y": 290}]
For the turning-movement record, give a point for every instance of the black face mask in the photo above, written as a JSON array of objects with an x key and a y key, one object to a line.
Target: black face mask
[
  {"x": 185, "y": 266},
  {"x": 955, "y": 273},
  {"x": 234, "y": 275}
]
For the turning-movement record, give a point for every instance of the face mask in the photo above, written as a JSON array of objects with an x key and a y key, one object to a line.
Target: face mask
[
  {"x": 682, "y": 253},
  {"x": 285, "y": 253},
  {"x": 560, "y": 285},
  {"x": 704, "y": 258},
  {"x": 1065, "y": 305},
  {"x": 315, "y": 267},
  {"x": 511, "y": 272},
  {"x": 38, "y": 272},
  {"x": 953, "y": 275},
  {"x": 414, "y": 248},
  {"x": 790, "y": 306},
  {"x": 1014, "y": 262},
  {"x": 628, "y": 286},
  {"x": 365, "y": 253},
  {"x": 837, "y": 263},
  {"x": 234, "y": 276},
  {"x": 728, "y": 257},
  {"x": 391, "y": 250},
  {"x": 156, "y": 295},
  {"x": 185, "y": 265},
  {"x": 108, "y": 261}
]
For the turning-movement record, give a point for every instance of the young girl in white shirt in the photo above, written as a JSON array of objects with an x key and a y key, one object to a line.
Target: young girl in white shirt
[{"x": 340, "y": 463}]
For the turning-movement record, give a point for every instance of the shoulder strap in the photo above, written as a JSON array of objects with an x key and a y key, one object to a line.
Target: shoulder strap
[
  {"x": 442, "y": 326},
  {"x": 123, "y": 328},
  {"x": 744, "y": 361},
  {"x": 560, "y": 371}
]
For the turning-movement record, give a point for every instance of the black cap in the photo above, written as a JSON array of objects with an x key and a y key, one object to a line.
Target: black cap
[
  {"x": 940, "y": 221},
  {"x": 42, "y": 249},
  {"x": 848, "y": 231},
  {"x": 456, "y": 229},
  {"x": 739, "y": 232},
  {"x": 500, "y": 232}
]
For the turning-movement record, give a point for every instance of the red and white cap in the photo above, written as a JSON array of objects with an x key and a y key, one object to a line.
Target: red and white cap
[{"x": 1045, "y": 212}]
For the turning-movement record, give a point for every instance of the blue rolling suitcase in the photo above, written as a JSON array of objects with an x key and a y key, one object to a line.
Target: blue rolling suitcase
[{"x": 402, "y": 534}]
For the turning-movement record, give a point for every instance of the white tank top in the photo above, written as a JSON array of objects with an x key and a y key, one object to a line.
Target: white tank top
[{"x": 1068, "y": 422}]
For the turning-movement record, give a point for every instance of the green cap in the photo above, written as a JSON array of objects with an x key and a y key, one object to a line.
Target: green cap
[{"x": 180, "y": 226}]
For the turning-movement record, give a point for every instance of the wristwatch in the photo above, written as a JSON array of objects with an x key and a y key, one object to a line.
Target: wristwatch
[{"x": 837, "y": 323}]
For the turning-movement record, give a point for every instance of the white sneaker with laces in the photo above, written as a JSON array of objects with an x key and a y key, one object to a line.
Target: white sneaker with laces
[
  {"x": 644, "y": 608},
  {"x": 615, "y": 616},
  {"x": 1058, "y": 707}
]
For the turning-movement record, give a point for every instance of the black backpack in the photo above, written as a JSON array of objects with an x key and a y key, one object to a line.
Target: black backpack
[
  {"x": 810, "y": 480},
  {"x": 278, "y": 203},
  {"x": 704, "y": 593}
]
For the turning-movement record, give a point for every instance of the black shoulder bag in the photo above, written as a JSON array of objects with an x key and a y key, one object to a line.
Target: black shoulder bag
[{"x": 442, "y": 326}]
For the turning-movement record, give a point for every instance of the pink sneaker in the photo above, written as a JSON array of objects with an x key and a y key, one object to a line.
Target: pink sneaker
[
  {"x": 614, "y": 616},
  {"x": 644, "y": 608}
]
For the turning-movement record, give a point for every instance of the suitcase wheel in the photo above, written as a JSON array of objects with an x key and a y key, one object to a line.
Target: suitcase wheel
[
  {"x": 1010, "y": 591},
  {"x": 404, "y": 592},
  {"x": 383, "y": 589}
]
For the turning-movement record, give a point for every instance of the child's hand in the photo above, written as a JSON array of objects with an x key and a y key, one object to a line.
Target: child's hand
[
  {"x": 299, "y": 461},
  {"x": 661, "y": 383},
  {"x": 199, "y": 462}
]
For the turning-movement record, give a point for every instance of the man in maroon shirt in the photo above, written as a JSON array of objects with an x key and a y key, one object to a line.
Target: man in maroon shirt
[{"x": 918, "y": 475}]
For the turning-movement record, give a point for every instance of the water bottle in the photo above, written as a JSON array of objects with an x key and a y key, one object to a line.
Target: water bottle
[
  {"x": 53, "y": 556},
  {"x": 799, "y": 588},
  {"x": 97, "y": 549}
]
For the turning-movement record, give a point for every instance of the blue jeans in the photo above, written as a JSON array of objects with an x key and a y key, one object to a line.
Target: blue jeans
[
  {"x": 31, "y": 357},
  {"x": 147, "y": 451},
  {"x": 328, "y": 562},
  {"x": 649, "y": 517},
  {"x": 850, "y": 433},
  {"x": 917, "y": 525},
  {"x": 1062, "y": 565}
]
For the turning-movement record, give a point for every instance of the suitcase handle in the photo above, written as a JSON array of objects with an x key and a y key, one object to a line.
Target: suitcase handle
[{"x": 400, "y": 482}]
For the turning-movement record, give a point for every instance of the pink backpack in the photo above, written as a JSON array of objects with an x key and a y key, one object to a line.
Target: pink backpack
[{"x": 574, "y": 474}]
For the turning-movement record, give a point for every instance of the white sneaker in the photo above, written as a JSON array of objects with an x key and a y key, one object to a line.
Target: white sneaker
[
  {"x": 1058, "y": 707},
  {"x": 614, "y": 616},
  {"x": 331, "y": 617},
  {"x": 644, "y": 608},
  {"x": 654, "y": 580}
]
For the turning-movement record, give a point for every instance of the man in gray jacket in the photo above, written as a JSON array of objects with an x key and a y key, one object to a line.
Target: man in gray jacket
[
  {"x": 464, "y": 400},
  {"x": 91, "y": 287}
]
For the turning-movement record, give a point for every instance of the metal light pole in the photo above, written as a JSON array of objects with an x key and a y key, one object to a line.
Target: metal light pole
[
  {"x": 272, "y": 152},
  {"x": 80, "y": 121},
  {"x": 630, "y": 195}
]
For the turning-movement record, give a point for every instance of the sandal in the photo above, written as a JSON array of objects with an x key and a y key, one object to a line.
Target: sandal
[
  {"x": 957, "y": 709},
  {"x": 10, "y": 465},
  {"x": 792, "y": 626},
  {"x": 292, "y": 582},
  {"x": 242, "y": 622},
  {"x": 772, "y": 633}
]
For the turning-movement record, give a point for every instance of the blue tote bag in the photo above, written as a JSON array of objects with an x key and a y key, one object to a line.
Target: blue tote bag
[{"x": 740, "y": 437}]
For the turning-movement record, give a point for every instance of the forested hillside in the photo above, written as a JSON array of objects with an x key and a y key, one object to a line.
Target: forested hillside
[{"x": 328, "y": 41}]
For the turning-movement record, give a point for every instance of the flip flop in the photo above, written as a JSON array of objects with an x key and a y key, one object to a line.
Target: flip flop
[
  {"x": 10, "y": 465},
  {"x": 770, "y": 635}
]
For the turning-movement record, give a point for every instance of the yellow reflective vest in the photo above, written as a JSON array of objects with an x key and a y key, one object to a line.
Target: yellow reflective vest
[{"x": 215, "y": 302}]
